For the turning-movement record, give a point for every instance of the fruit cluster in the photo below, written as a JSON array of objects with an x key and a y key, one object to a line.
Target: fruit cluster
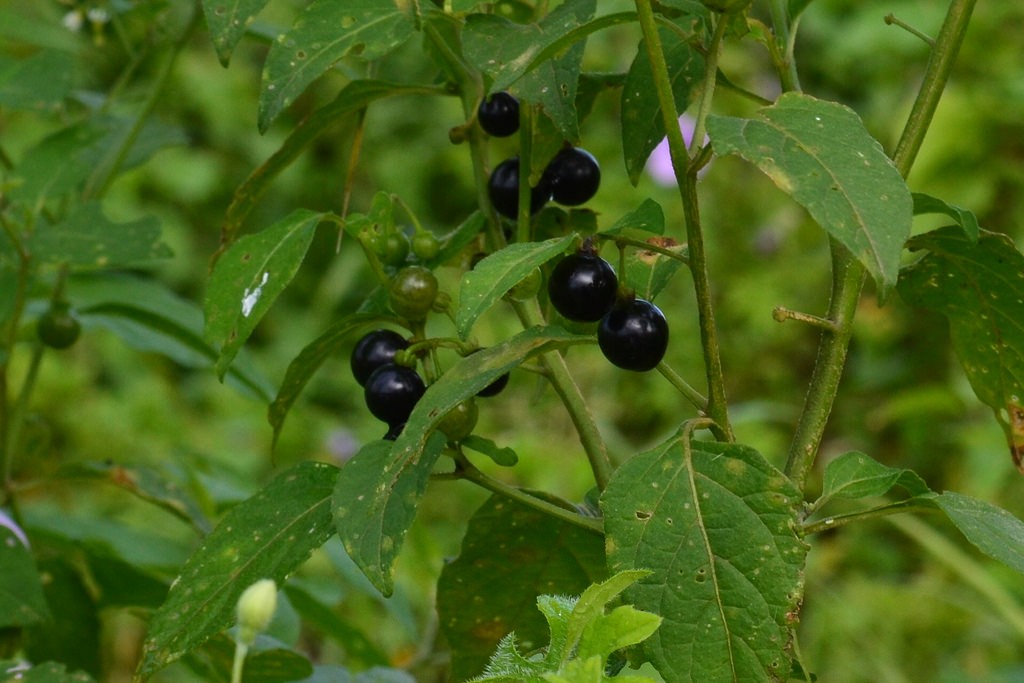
[
  {"x": 632, "y": 333},
  {"x": 571, "y": 178}
]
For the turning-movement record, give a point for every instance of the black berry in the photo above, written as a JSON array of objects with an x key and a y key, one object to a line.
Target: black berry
[
  {"x": 498, "y": 115},
  {"x": 634, "y": 335},
  {"x": 574, "y": 175},
  {"x": 392, "y": 392},
  {"x": 374, "y": 350},
  {"x": 503, "y": 190},
  {"x": 582, "y": 287},
  {"x": 495, "y": 387}
]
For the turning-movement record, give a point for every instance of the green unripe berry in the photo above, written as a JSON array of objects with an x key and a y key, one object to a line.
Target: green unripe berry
[
  {"x": 412, "y": 292},
  {"x": 460, "y": 421},
  {"x": 58, "y": 328}
]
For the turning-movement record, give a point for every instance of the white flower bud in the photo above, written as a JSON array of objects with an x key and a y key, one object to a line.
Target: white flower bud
[{"x": 255, "y": 609}]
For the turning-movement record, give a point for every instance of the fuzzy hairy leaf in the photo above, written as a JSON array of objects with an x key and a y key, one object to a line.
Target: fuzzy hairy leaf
[
  {"x": 979, "y": 287},
  {"x": 326, "y": 32},
  {"x": 821, "y": 155},
  {"x": 716, "y": 524},
  {"x": 267, "y": 536}
]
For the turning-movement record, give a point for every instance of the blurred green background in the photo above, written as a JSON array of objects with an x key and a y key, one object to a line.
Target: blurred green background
[{"x": 886, "y": 602}]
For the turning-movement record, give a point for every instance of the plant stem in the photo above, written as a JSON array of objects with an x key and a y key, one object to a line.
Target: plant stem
[
  {"x": 782, "y": 52},
  {"x": 557, "y": 373},
  {"x": 836, "y": 521},
  {"x": 848, "y": 274},
  {"x": 684, "y": 388},
  {"x": 241, "y": 650},
  {"x": 469, "y": 472},
  {"x": 686, "y": 174}
]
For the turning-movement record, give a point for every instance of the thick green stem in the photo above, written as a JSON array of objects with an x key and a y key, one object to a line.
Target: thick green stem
[
  {"x": 782, "y": 51},
  {"x": 848, "y": 274},
  {"x": 686, "y": 174}
]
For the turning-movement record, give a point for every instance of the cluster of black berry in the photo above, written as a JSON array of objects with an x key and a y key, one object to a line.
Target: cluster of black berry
[
  {"x": 571, "y": 178},
  {"x": 391, "y": 390},
  {"x": 632, "y": 334}
]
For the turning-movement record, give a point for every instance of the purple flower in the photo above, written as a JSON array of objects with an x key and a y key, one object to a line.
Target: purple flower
[{"x": 659, "y": 164}]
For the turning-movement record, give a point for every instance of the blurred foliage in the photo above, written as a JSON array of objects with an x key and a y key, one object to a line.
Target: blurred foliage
[{"x": 879, "y": 609}]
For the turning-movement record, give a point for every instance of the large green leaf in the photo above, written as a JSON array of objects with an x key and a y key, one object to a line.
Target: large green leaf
[
  {"x": 510, "y": 555},
  {"x": 495, "y": 275},
  {"x": 821, "y": 155},
  {"x": 326, "y": 32},
  {"x": 991, "y": 529},
  {"x": 249, "y": 277},
  {"x": 21, "y": 588},
  {"x": 227, "y": 21},
  {"x": 86, "y": 238},
  {"x": 643, "y": 126},
  {"x": 715, "y": 523},
  {"x": 309, "y": 360},
  {"x": 267, "y": 536},
  {"x": 979, "y": 287},
  {"x": 39, "y": 82},
  {"x": 380, "y": 488}
]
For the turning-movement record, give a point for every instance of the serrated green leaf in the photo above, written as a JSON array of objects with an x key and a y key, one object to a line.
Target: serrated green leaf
[
  {"x": 248, "y": 278},
  {"x": 925, "y": 204},
  {"x": 590, "y": 670},
  {"x": 147, "y": 316},
  {"x": 979, "y": 287},
  {"x": 510, "y": 555},
  {"x": 856, "y": 475},
  {"x": 495, "y": 275},
  {"x": 715, "y": 523},
  {"x": 86, "y": 238},
  {"x": 39, "y": 82},
  {"x": 643, "y": 125},
  {"x": 991, "y": 529},
  {"x": 326, "y": 32},
  {"x": 592, "y": 602},
  {"x": 309, "y": 360},
  {"x": 821, "y": 155},
  {"x": 352, "y": 98},
  {"x": 21, "y": 589},
  {"x": 267, "y": 536},
  {"x": 375, "y": 502},
  {"x": 506, "y": 457},
  {"x": 227, "y": 21}
]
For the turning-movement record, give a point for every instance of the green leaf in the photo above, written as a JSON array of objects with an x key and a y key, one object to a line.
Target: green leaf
[
  {"x": 623, "y": 627},
  {"x": 796, "y": 7},
  {"x": 358, "y": 648},
  {"x": 510, "y": 555},
  {"x": 268, "y": 661},
  {"x": 40, "y": 82},
  {"x": 979, "y": 287},
  {"x": 227, "y": 21},
  {"x": 86, "y": 238},
  {"x": 21, "y": 589},
  {"x": 715, "y": 523},
  {"x": 495, "y": 275},
  {"x": 506, "y": 457},
  {"x": 821, "y": 155},
  {"x": 147, "y": 316},
  {"x": 248, "y": 278},
  {"x": 309, "y": 360},
  {"x": 925, "y": 204},
  {"x": 646, "y": 218},
  {"x": 856, "y": 475},
  {"x": 352, "y": 98},
  {"x": 992, "y": 530},
  {"x": 643, "y": 125},
  {"x": 266, "y": 536},
  {"x": 647, "y": 272},
  {"x": 375, "y": 502},
  {"x": 592, "y": 602},
  {"x": 47, "y": 672},
  {"x": 326, "y": 32},
  {"x": 72, "y": 635}
]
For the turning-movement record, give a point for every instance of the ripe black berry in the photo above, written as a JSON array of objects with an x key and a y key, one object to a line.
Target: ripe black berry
[
  {"x": 392, "y": 392},
  {"x": 495, "y": 387},
  {"x": 634, "y": 335},
  {"x": 503, "y": 190},
  {"x": 374, "y": 350},
  {"x": 499, "y": 115},
  {"x": 574, "y": 175},
  {"x": 582, "y": 287}
]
